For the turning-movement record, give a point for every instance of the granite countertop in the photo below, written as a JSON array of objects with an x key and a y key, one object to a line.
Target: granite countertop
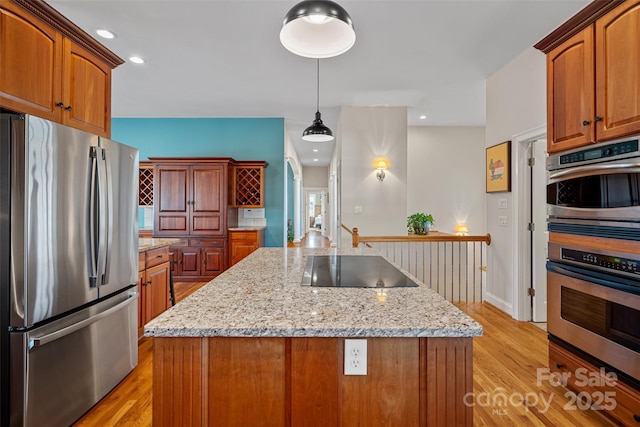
[
  {"x": 262, "y": 296},
  {"x": 146, "y": 244},
  {"x": 247, "y": 228}
]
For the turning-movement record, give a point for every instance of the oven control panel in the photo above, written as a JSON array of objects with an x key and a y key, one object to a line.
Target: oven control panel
[
  {"x": 611, "y": 150},
  {"x": 607, "y": 262}
]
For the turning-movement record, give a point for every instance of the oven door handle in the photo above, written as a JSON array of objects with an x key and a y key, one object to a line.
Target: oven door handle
[
  {"x": 599, "y": 169},
  {"x": 619, "y": 283}
]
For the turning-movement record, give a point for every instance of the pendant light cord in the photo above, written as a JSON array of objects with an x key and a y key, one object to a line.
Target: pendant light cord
[{"x": 318, "y": 84}]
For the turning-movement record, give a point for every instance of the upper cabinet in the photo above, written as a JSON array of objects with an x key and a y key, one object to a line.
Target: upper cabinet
[
  {"x": 618, "y": 72},
  {"x": 52, "y": 69},
  {"x": 247, "y": 184},
  {"x": 189, "y": 198},
  {"x": 593, "y": 76},
  {"x": 570, "y": 93}
]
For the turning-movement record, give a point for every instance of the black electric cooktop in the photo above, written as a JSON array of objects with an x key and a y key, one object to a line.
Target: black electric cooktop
[{"x": 353, "y": 271}]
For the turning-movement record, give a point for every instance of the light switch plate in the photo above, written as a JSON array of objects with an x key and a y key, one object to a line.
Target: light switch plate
[{"x": 502, "y": 204}]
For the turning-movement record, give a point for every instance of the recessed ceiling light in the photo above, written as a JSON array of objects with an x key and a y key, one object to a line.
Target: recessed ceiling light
[
  {"x": 423, "y": 117},
  {"x": 315, "y": 150},
  {"x": 315, "y": 160},
  {"x": 105, "y": 34},
  {"x": 137, "y": 60}
]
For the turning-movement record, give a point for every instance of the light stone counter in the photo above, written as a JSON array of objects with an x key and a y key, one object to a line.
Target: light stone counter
[
  {"x": 146, "y": 244},
  {"x": 262, "y": 297}
]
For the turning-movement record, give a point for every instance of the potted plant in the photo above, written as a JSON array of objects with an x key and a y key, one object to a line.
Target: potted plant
[{"x": 419, "y": 223}]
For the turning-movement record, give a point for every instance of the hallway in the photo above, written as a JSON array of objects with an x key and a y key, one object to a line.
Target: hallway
[{"x": 313, "y": 239}]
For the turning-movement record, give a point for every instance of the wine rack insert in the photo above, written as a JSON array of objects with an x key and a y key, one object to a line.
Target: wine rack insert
[
  {"x": 248, "y": 185},
  {"x": 145, "y": 188}
]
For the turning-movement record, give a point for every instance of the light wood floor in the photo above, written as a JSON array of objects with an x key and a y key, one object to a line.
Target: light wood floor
[
  {"x": 505, "y": 361},
  {"x": 313, "y": 239}
]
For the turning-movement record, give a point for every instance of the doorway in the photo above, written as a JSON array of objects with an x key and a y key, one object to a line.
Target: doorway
[
  {"x": 315, "y": 210},
  {"x": 530, "y": 276}
]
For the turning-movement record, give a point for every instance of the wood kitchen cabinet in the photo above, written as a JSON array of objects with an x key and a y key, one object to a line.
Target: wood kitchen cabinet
[
  {"x": 242, "y": 243},
  {"x": 621, "y": 402},
  {"x": 153, "y": 285},
  {"x": 190, "y": 198},
  {"x": 247, "y": 184},
  {"x": 593, "y": 82},
  {"x": 198, "y": 259},
  {"x": 52, "y": 69}
]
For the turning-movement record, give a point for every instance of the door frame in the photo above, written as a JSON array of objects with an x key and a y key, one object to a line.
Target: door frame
[
  {"x": 521, "y": 279},
  {"x": 324, "y": 191}
]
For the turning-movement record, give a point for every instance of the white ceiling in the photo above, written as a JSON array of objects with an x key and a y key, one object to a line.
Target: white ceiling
[{"x": 215, "y": 58}]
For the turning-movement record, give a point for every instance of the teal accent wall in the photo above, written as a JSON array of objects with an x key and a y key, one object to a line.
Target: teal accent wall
[{"x": 241, "y": 139}]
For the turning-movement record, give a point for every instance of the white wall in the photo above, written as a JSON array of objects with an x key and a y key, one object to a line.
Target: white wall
[
  {"x": 364, "y": 134},
  {"x": 446, "y": 176},
  {"x": 516, "y": 103},
  {"x": 315, "y": 176}
]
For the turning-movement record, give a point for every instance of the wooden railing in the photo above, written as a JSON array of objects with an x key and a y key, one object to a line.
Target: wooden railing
[{"x": 451, "y": 265}]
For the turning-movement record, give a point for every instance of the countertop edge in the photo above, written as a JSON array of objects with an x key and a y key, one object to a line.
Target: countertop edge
[
  {"x": 145, "y": 244},
  {"x": 452, "y": 332}
]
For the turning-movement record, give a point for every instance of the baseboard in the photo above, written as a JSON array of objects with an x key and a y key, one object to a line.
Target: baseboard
[{"x": 499, "y": 303}]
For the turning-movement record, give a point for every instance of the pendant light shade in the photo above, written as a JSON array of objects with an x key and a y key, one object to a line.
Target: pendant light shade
[
  {"x": 317, "y": 29},
  {"x": 317, "y": 132}
]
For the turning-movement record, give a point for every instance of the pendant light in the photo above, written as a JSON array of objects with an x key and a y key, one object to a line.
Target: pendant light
[
  {"x": 317, "y": 132},
  {"x": 317, "y": 29}
]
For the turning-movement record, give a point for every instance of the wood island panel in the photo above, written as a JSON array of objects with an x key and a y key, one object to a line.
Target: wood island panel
[
  {"x": 284, "y": 381},
  {"x": 180, "y": 381},
  {"x": 246, "y": 381}
]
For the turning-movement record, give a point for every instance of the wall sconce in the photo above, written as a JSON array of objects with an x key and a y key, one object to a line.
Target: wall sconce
[
  {"x": 381, "y": 164},
  {"x": 461, "y": 230}
]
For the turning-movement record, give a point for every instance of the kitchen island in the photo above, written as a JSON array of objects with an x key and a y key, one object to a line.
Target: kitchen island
[{"x": 254, "y": 347}]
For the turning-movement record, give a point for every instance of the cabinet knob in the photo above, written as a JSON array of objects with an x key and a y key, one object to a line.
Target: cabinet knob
[
  {"x": 636, "y": 417},
  {"x": 597, "y": 119},
  {"x": 559, "y": 365},
  {"x": 68, "y": 108},
  {"x": 159, "y": 256},
  {"x": 60, "y": 104},
  {"x": 585, "y": 122}
]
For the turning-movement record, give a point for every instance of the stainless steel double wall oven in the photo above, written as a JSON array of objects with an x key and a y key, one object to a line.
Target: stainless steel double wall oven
[{"x": 593, "y": 198}]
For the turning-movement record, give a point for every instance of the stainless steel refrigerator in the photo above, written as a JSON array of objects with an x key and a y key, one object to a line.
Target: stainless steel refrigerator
[{"x": 68, "y": 270}]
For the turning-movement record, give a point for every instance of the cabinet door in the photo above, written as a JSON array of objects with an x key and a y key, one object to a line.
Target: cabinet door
[
  {"x": 170, "y": 200},
  {"x": 208, "y": 201},
  {"x": 86, "y": 91},
  {"x": 189, "y": 261},
  {"x": 618, "y": 71},
  {"x": 240, "y": 245},
  {"x": 212, "y": 261},
  {"x": 570, "y": 93},
  {"x": 142, "y": 315},
  {"x": 158, "y": 289},
  {"x": 31, "y": 68}
]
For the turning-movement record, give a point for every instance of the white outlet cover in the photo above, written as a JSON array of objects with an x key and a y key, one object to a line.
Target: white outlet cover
[
  {"x": 355, "y": 357},
  {"x": 502, "y": 220}
]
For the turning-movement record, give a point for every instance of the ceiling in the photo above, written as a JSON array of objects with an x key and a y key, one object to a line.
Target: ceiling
[{"x": 214, "y": 58}]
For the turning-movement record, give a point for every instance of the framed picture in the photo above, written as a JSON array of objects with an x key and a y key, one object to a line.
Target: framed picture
[{"x": 498, "y": 168}]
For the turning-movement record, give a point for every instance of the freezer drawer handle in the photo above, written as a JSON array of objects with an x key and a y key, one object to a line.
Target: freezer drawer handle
[{"x": 46, "y": 339}]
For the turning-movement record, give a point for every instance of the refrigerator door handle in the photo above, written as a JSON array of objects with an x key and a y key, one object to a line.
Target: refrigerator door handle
[
  {"x": 46, "y": 339},
  {"x": 109, "y": 216},
  {"x": 92, "y": 214},
  {"x": 101, "y": 215}
]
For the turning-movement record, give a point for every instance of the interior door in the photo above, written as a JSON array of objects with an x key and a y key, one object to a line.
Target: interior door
[{"x": 540, "y": 236}]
